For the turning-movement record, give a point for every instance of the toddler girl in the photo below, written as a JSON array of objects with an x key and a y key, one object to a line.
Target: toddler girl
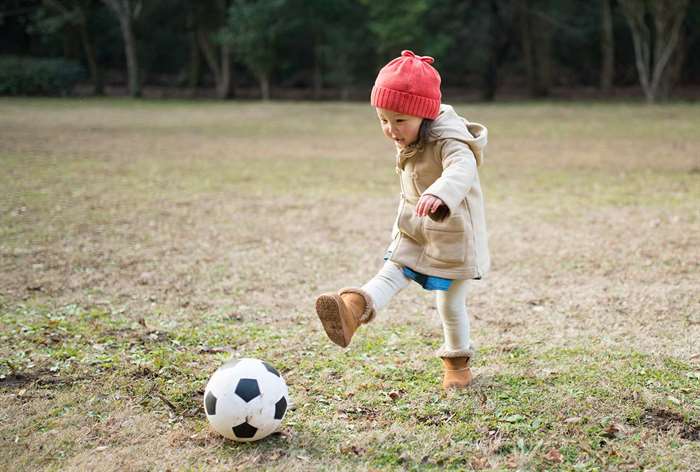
[{"x": 439, "y": 235}]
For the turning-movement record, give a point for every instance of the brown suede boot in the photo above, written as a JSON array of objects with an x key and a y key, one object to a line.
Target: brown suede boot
[
  {"x": 457, "y": 372},
  {"x": 456, "y": 367},
  {"x": 343, "y": 312}
]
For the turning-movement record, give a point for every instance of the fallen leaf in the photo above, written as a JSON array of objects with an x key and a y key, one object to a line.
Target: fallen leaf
[
  {"x": 553, "y": 455},
  {"x": 573, "y": 419},
  {"x": 393, "y": 395},
  {"x": 612, "y": 431}
]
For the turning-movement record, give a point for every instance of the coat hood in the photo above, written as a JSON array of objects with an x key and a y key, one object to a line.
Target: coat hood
[{"x": 449, "y": 125}]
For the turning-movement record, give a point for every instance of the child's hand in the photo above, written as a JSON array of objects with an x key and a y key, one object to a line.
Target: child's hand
[{"x": 428, "y": 204}]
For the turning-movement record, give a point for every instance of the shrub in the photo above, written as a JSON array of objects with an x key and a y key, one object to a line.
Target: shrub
[{"x": 38, "y": 76}]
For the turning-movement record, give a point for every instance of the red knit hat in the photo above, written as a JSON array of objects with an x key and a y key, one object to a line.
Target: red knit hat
[{"x": 410, "y": 85}]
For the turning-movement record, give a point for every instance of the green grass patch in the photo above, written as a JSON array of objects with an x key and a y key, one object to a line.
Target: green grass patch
[{"x": 558, "y": 398}]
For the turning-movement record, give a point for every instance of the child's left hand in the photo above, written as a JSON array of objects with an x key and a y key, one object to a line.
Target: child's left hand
[{"x": 428, "y": 204}]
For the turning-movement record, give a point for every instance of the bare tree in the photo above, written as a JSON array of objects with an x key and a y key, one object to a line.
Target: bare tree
[
  {"x": 218, "y": 58},
  {"x": 210, "y": 19},
  {"x": 126, "y": 11},
  {"x": 675, "y": 68},
  {"x": 653, "y": 50},
  {"x": 607, "y": 47}
]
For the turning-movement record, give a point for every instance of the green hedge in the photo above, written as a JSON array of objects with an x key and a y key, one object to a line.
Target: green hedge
[{"x": 38, "y": 76}]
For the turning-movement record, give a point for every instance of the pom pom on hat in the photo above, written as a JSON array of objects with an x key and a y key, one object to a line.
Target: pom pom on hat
[{"x": 410, "y": 85}]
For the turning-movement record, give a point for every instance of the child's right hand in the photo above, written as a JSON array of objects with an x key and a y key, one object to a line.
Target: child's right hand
[{"x": 428, "y": 204}]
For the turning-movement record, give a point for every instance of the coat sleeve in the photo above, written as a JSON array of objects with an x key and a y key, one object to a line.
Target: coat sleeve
[{"x": 458, "y": 174}]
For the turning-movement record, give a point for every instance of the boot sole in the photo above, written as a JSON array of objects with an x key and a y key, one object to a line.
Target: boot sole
[{"x": 328, "y": 311}]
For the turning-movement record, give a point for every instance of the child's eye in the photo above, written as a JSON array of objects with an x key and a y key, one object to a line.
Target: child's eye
[{"x": 384, "y": 121}]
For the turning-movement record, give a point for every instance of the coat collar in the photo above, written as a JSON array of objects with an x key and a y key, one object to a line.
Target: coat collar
[{"x": 403, "y": 155}]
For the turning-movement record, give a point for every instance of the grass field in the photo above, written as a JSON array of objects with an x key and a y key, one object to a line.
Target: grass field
[{"x": 144, "y": 243}]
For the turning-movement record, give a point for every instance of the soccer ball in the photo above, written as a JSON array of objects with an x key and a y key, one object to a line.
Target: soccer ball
[{"x": 246, "y": 399}]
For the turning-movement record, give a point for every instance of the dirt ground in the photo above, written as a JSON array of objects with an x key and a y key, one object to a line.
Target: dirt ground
[{"x": 143, "y": 243}]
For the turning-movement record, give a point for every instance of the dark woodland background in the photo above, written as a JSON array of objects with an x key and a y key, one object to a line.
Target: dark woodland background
[{"x": 332, "y": 49}]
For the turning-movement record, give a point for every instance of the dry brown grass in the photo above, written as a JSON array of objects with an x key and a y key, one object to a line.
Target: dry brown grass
[{"x": 185, "y": 214}]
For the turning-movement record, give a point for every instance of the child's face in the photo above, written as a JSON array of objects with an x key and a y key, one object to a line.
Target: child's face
[{"x": 400, "y": 128}]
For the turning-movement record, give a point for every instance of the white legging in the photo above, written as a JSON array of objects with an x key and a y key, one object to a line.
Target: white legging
[{"x": 451, "y": 303}]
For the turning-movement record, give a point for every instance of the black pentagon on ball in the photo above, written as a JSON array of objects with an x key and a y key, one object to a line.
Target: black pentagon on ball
[
  {"x": 280, "y": 408},
  {"x": 271, "y": 369},
  {"x": 210, "y": 403},
  {"x": 247, "y": 389},
  {"x": 244, "y": 430}
]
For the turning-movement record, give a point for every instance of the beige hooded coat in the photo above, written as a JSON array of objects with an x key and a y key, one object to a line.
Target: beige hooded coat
[{"x": 451, "y": 243}]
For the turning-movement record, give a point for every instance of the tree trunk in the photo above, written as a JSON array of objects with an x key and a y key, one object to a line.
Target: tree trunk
[
  {"x": 675, "y": 69},
  {"x": 194, "y": 69},
  {"x": 526, "y": 41},
  {"x": 223, "y": 88},
  {"x": 490, "y": 75},
  {"x": 641, "y": 37},
  {"x": 318, "y": 74},
  {"x": 536, "y": 36},
  {"x": 89, "y": 49},
  {"x": 543, "y": 57},
  {"x": 607, "y": 48},
  {"x": 209, "y": 55},
  {"x": 501, "y": 34},
  {"x": 122, "y": 8},
  {"x": 669, "y": 31},
  {"x": 220, "y": 71},
  {"x": 668, "y": 17},
  {"x": 265, "y": 86},
  {"x": 131, "y": 59}
]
